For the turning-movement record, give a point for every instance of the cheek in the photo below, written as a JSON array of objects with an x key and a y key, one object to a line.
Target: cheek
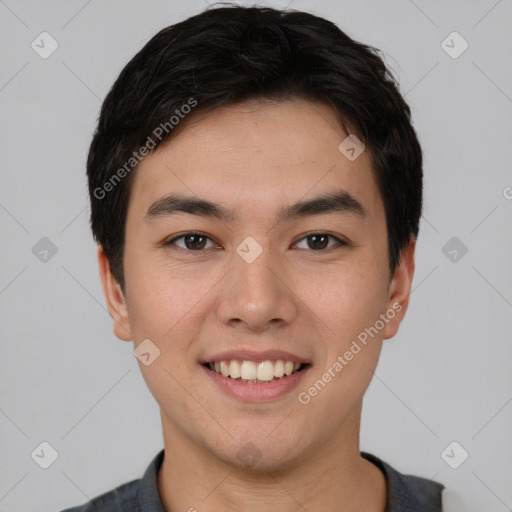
[
  {"x": 345, "y": 299},
  {"x": 159, "y": 296},
  {"x": 346, "y": 310}
]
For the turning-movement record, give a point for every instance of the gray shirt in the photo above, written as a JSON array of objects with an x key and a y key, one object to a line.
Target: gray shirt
[{"x": 406, "y": 493}]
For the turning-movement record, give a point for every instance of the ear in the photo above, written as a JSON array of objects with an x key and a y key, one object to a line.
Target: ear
[
  {"x": 114, "y": 296},
  {"x": 400, "y": 289}
]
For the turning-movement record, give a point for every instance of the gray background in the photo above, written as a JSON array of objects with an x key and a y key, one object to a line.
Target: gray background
[{"x": 67, "y": 380}]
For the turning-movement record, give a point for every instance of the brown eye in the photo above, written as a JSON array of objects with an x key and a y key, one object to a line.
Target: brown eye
[
  {"x": 320, "y": 241},
  {"x": 191, "y": 241}
]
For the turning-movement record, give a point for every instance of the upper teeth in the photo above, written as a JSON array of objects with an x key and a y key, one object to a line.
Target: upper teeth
[{"x": 249, "y": 370}]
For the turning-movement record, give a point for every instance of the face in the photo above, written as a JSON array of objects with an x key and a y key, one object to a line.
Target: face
[{"x": 286, "y": 264}]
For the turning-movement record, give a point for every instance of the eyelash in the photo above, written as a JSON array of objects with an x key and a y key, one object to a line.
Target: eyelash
[{"x": 196, "y": 233}]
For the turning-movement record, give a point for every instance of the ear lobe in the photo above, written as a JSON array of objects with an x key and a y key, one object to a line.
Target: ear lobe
[
  {"x": 114, "y": 297},
  {"x": 400, "y": 289}
]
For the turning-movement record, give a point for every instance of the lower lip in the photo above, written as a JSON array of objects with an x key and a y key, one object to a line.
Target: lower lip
[{"x": 254, "y": 392}]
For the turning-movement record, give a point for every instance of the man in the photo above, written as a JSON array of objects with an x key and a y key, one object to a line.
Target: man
[{"x": 256, "y": 190}]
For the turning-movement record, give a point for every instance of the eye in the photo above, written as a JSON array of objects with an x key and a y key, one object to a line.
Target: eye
[
  {"x": 196, "y": 242},
  {"x": 191, "y": 241},
  {"x": 320, "y": 241}
]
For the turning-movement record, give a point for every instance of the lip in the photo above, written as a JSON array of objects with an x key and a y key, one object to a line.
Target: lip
[
  {"x": 254, "y": 392},
  {"x": 255, "y": 356}
]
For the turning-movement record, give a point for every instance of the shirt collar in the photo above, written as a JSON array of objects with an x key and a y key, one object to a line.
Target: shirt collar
[
  {"x": 148, "y": 496},
  {"x": 408, "y": 492}
]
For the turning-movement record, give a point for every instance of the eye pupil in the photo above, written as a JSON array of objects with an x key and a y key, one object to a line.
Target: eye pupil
[
  {"x": 194, "y": 238},
  {"x": 316, "y": 239}
]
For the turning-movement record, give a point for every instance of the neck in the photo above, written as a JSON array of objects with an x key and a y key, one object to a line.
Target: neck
[{"x": 331, "y": 476}]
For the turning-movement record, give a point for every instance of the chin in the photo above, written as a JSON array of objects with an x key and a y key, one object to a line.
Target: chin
[{"x": 258, "y": 455}]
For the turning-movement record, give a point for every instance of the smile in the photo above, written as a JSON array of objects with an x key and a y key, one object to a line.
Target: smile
[
  {"x": 264, "y": 380},
  {"x": 255, "y": 372}
]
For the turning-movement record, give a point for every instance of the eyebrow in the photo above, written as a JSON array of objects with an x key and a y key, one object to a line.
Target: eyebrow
[{"x": 339, "y": 202}]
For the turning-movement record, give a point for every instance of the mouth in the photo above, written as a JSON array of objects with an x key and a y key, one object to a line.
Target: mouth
[
  {"x": 256, "y": 372},
  {"x": 255, "y": 376},
  {"x": 256, "y": 381}
]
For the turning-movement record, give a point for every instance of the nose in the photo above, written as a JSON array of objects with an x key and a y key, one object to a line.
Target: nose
[{"x": 257, "y": 294}]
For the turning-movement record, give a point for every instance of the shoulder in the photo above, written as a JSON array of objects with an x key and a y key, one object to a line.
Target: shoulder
[
  {"x": 123, "y": 497},
  {"x": 408, "y": 492},
  {"x": 134, "y": 496}
]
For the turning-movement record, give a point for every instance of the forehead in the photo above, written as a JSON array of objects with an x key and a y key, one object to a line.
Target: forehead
[{"x": 254, "y": 157}]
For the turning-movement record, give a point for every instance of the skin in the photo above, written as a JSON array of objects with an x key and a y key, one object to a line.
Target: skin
[{"x": 255, "y": 158}]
